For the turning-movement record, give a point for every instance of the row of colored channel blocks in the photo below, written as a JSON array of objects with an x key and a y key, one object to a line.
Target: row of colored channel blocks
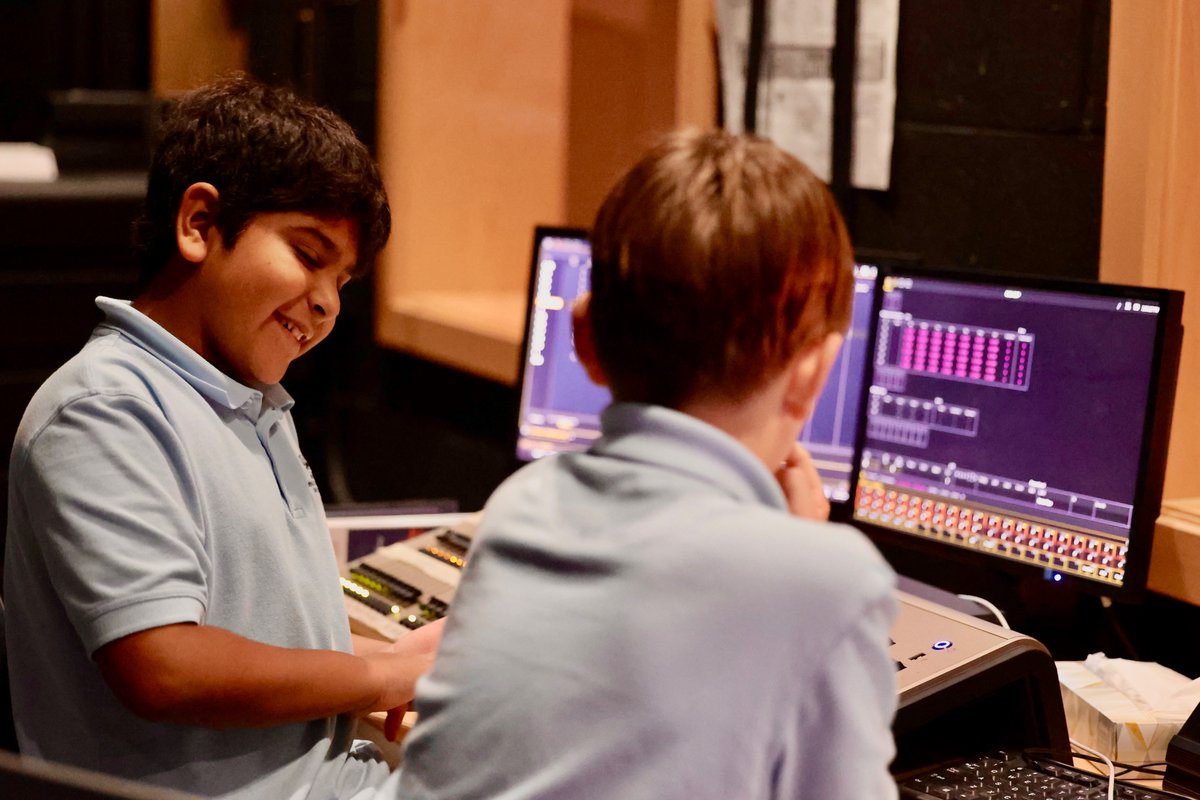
[
  {"x": 997, "y": 533},
  {"x": 967, "y": 353}
]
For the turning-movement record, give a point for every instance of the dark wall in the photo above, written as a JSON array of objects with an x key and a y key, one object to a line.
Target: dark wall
[
  {"x": 54, "y": 45},
  {"x": 74, "y": 75},
  {"x": 324, "y": 49},
  {"x": 999, "y": 143},
  {"x": 61, "y": 245}
]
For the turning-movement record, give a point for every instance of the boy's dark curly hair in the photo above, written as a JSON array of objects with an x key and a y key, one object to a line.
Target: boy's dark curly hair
[{"x": 265, "y": 150}]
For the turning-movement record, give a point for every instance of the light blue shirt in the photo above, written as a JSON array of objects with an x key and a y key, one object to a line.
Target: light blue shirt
[
  {"x": 147, "y": 488},
  {"x": 646, "y": 620}
]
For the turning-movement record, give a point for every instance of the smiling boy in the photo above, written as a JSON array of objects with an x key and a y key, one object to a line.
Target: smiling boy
[{"x": 174, "y": 614}]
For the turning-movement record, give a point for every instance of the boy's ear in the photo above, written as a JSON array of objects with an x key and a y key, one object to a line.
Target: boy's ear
[
  {"x": 808, "y": 373},
  {"x": 195, "y": 220},
  {"x": 585, "y": 348}
]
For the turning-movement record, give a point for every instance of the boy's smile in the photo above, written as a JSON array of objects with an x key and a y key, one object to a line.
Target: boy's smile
[
  {"x": 294, "y": 330},
  {"x": 274, "y": 295},
  {"x": 252, "y": 309}
]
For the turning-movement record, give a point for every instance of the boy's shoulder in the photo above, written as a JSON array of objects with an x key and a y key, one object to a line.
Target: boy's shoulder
[
  {"x": 108, "y": 362},
  {"x": 109, "y": 365},
  {"x": 689, "y": 528}
]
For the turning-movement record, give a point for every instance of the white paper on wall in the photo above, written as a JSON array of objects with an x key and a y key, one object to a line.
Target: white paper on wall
[{"x": 795, "y": 92}]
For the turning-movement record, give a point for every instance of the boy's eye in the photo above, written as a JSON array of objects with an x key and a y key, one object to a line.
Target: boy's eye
[{"x": 307, "y": 256}]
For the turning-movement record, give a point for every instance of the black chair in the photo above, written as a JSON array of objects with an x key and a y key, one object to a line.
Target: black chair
[{"x": 23, "y": 776}]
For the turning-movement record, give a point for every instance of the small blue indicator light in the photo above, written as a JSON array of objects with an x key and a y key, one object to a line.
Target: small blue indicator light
[
  {"x": 942, "y": 645},
  {"x": 1057, "y": 577}
]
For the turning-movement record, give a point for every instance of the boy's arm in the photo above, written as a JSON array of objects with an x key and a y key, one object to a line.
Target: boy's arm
[
  {"x": 846, "y": 741},
  {"x": 204, "y": 675},
  {"x": 365, "y": 645}
]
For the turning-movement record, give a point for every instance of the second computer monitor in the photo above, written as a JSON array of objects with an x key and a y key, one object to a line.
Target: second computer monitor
[
  {"x": 559, "y": 408},
  {"x": 1020, "y": 421}
]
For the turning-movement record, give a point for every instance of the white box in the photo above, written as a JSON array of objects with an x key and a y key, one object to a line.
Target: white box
[{"x": 1106, "y": 720}]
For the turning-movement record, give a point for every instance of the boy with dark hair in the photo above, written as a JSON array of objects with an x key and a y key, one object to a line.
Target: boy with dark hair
[
  {"x": 655, "y": 617},
  {"x": 174, "y": 611}
]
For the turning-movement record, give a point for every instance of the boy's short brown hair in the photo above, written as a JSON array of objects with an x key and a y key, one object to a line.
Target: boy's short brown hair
[{"x": 715, "y": 260}]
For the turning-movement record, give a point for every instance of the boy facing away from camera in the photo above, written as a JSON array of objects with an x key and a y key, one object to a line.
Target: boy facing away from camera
[
  {"x": 664, "y": 615},
  {"x": 173, "y": 608}
]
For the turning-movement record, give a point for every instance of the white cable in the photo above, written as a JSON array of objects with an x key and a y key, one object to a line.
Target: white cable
[
  {"x": 989, "y": 606},
  {"x": 1112, "y": 771}
]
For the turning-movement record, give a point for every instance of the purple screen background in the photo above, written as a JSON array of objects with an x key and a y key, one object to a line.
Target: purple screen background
[
  {"x": 1080, "y": 425},
  {"x": 834, "y": 421},
  {"x": 561, "y": 384}
]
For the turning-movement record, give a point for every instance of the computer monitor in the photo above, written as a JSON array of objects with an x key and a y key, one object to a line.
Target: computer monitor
[
  {"x": 559, "y": 407},
  {"x": 1020, "y": 422},
  {"x": 830, "y": 435}
]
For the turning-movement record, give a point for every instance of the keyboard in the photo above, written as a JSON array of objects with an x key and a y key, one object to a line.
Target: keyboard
[{"x": 1005, "y": 775}]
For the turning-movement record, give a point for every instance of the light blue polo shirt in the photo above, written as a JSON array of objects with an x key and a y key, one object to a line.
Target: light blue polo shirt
[
  {"x": 646, "y": 620},
  {"x": 148, "y": 488}
]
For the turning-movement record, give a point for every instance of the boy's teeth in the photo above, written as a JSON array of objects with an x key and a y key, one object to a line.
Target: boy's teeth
[{"x": 300, "y": 337}]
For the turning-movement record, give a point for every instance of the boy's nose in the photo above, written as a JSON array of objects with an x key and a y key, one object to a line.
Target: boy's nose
[{"x": 326, "y": 303}]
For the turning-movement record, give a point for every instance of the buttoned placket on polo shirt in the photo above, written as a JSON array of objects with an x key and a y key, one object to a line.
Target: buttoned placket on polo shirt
[
  {"x": 264, "y": 413},
  {"x": 286, "y": 465}
]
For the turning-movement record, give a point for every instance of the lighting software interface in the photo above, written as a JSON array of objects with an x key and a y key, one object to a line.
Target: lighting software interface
[
  {"x": 560, "y": 407},
  {"x": 1009, "y": 421}
]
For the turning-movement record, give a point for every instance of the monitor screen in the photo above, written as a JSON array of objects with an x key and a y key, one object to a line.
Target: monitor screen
[
  {"x": 1020, "y": 420},
  {"x": 830, "y": 435},
  {"x": 559, "y": 408}
]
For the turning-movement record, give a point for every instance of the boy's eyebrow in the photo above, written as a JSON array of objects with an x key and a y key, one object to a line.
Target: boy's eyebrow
[{"x": 316, "y": 232}]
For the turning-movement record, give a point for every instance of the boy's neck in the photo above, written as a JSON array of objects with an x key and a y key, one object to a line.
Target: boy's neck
[
  {"x": 164, "y": 305},
  {"x": 759, "y": 421}
]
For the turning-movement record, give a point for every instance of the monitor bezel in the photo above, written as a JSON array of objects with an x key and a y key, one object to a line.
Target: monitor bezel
[
  {"x": 1156, "y": 426},
  {"x": 881, "y": 261}
]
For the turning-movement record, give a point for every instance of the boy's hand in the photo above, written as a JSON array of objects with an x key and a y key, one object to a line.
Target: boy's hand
[
  {"x": 416, "y": 652},
  {"x": 802, "y": 485}
]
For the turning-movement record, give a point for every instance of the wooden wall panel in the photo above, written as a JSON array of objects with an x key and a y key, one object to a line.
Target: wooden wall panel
[
  {"x": 1149, "y": 233},
  {"x": 496, "y": 116},
  {"x": 192, "y": 42}
]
